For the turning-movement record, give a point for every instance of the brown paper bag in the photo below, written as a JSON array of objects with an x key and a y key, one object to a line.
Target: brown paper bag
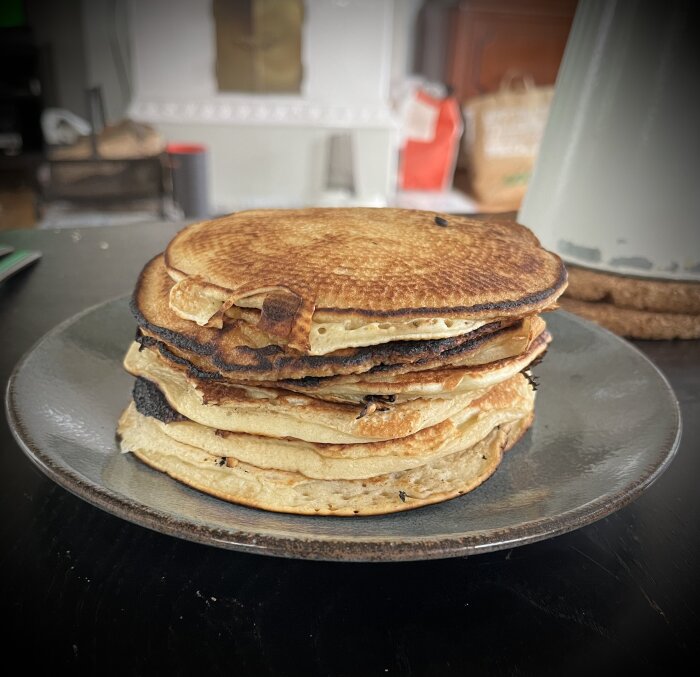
[{"x": 502, "y": 137}]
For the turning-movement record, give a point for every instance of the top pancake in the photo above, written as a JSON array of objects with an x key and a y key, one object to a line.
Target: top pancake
[{"x": 358, "y": 266}]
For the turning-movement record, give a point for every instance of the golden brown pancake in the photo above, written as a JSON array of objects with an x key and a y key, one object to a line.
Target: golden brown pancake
[
  {"x": 280, "y": 413},
  {"x": 479, "y": 348},
  {"x": 504, "y": 403},
  {"x": 291, "y": 492},
  {"x": 228, "y": 350},
  {"x": 383, "y": 387},
  {"x": 357, "y": 266}
]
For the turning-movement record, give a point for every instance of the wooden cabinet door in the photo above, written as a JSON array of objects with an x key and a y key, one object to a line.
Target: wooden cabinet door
[{"x": 492, "y": 38}]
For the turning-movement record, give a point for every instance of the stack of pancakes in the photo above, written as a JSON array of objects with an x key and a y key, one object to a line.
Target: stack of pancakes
[
  {"x": 635, "y": 307},
  {"x": 337, "y": 361}
]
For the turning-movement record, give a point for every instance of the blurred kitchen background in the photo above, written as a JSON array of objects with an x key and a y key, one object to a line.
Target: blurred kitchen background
[{"x": 119, "y": 111}]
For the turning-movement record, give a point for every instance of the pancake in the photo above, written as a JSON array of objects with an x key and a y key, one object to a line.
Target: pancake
[
  {"x": 328, "y": 279},
  {"x": 383, "y": 387},
  {"x": 292, "y": 492},
  {"x": 400, "y": 387},
  {"x": 232, "y": 351},
  {"x": 505, "y": 403},
  {"x": 280, "y": 413},
  {"x": 337, "y": 361}
]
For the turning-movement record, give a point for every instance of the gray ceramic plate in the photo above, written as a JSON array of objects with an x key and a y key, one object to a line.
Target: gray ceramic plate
[{"x": 607, "y": 426}]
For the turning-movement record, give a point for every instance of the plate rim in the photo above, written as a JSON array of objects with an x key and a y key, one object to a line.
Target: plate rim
[{"x": 327, "y": 547}]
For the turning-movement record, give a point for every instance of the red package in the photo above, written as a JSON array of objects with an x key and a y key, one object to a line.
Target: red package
[{"x": 429, "y": 156}]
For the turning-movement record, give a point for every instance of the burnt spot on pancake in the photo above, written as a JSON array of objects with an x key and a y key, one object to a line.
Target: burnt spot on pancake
[
  {"x": 150, "y": 401},
  {"x": 374, "y": 403},
  {"x": 305, "y": 382},
  {"x": 538, "y": 359},
  {"x": 470, "y": 342},
  {"x": 169, "y": 336},
  {"x": 384, "y": 399},
  {"x": 439, "y": 221},
  {"x": 192, "y": 370},
  {"x": 145, "y": 341},
  {"x": 274, "y": 360},
  {"x": 287, "y": 316},
  {"x": 389, "y": 360},
  {"x": 137, "y": 338},
  {"x": 278, "y": 312},
  {"x": 531, "y": 379}
]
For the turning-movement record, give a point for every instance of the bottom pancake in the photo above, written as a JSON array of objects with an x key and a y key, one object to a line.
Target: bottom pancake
[{"x": 291, "y": 492}]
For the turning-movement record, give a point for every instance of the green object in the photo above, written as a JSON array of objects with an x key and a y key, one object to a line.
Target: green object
[{"x": 15, "y": 261}]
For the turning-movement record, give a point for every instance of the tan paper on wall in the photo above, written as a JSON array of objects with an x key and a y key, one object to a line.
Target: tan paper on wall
[
  {"x": 503, "y": 132},
  {"x": 258, "y": 45}
]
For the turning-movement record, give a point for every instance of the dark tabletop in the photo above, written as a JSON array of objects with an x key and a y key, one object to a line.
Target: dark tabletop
[{"x": 85, "y": 590}]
